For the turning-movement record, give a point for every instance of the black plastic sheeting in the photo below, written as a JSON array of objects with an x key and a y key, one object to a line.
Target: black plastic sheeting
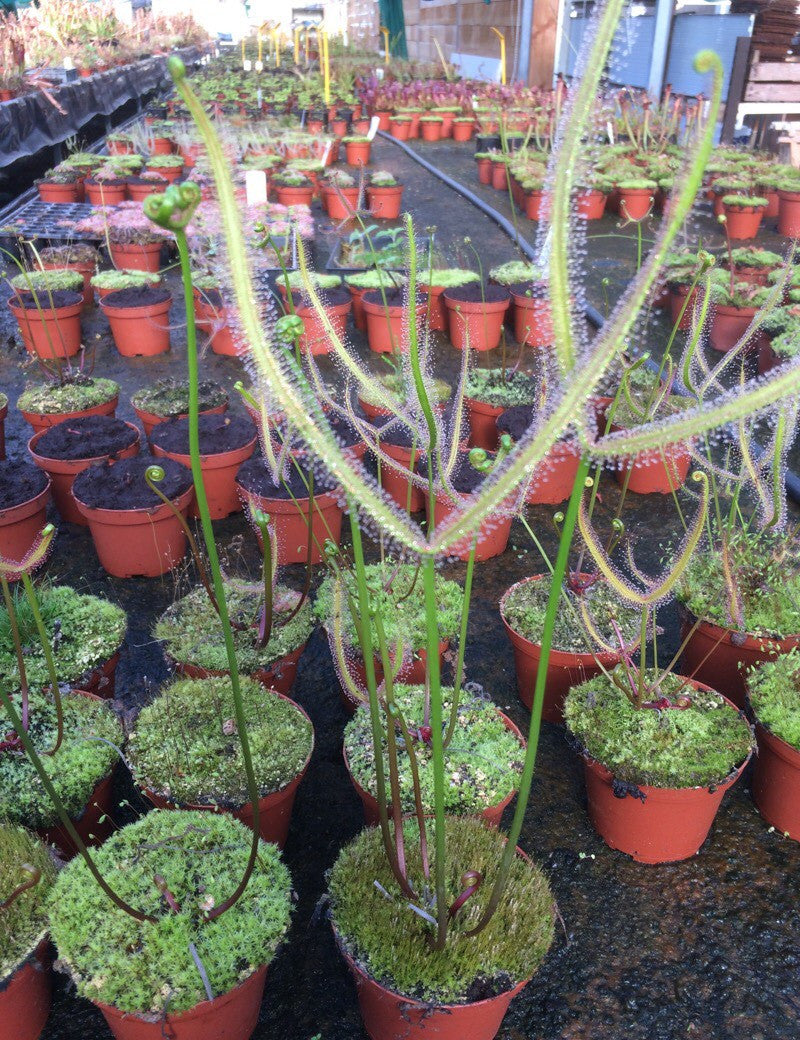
[{"x": 30, "y": 122}]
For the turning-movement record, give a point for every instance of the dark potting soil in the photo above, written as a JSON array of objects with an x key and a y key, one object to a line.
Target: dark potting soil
[
  {"x": 474, "y": 293},
  {"x": 329, "y": 298},
  {"x": 46, "y": 300},
  {"x": 392, "y": 431},
  {"x": 212, "y": 298},
  {"x": 20, "y": 482},
  {"x": 140, "y": 296},
  {"x": 254, "y": 477},
  {"x": 464, "y": 478},
  {"x": 528, "y": 290},
  {"x": 160, "y": 183},
  {"x": 342, "y": 428},
  {"x": 218, "y": 434},
  {"x": 515, "y": 421},
  {"x": 121, "y": 485},
  {"x": 87, "y": 437},
  {"x": 394, "y": 298},
  {"x": 107, "y": 182}
]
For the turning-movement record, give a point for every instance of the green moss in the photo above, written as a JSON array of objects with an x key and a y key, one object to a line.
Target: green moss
[
  {"x": 375, "y": 279},
  {"x": 696, "y": 746},
  {"x": 83, "y": 759},
  {"x": 191, "y": 632},
  {"x": 447, "y": 277},
  {"x": 148, "y": 967},
  {"x": 499, "y": 388},
  {"x": 25, "y": 920},
  {"x": 516, "y": 271},
  {"x": 184, "y": 743},
  {"x": 319, "y": 281},
  {"x": 482, "y": 763},
  {"x": 637, "y": 184},
  {"x": 383, "y": 179},
  {"x": 750, "y": 256},
  {"x": 396, "y": 383},
  {"x": 71, "y": 396},
  {"x": 525, "y": 607},
  {"x": 42, "y": 282},
  {"x": 114, "y": 280},
  {"x": 391, "y": 942},
  {"x": 89, "y": 630},
  {"x": 774, "y": 690},
  {"x": 744, "y": 201},
  {"x": 402, "y": 607},
  {"x": 164, "y": 162},
  {"x": 766, "y": 575},
  {"x": 168, "y": 397}
]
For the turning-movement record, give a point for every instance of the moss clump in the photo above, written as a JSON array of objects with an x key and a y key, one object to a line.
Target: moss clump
[
  {"x": 191, "y": 632},
  {"x": 525, "y": 607},
  {"x": 401, "y": 606},
  {"x": 375, "y": 279},
  {"x": 82, "y": 761},
  {"x": 70, "y": 396},
  {"x": 482, "y": 762},
  {"x": 744, "y": 201},
  {"x": 774, "y": 691},
  {"x": 397, "y": 384},
  {"x": 144, "y": 967},
  {"x": 500, "y": 388},
  {"x": 114, "y": 280},
  {"x": 164, "y": 162},
  {"x": 184, "y": 744},
  {"x": 391, "y": 942},
  {"x": 447, "y": 277},
  {"x": 169, "y": 397},
  {"x": 25, "y": 920},
  {"x": 43, "y": 282},
  {"x": 516, "y": 271},
  {"x": 89, "y": 631},
  {"x": 696, "y": 746},
  {"x": 383, "y": 179},
  {"x": 637, "y": 184},
  {"x": 319, "y": 281},
  {"x": 765, "y": 570},
  {"x": 750, "y": 256}
]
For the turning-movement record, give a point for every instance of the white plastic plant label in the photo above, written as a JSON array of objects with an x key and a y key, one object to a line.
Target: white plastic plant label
[
  {"x": 379, "y": 73},
  {"x": 248, "y": 65},
  {"x": 373, "y": 127},
  {"x": 259, "y": 66},
  {"x": 255, "y": 182}
]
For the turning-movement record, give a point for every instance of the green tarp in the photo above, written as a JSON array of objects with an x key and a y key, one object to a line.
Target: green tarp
[{"x": 392, "y": 18}]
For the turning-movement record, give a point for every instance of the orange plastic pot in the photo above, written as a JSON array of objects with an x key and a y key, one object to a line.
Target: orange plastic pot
[
  {"x": 554, "y": 477},
  {"x": 53, "y": 333},
  {"x": 274, "y": 810},
  {"x": 413, "y": 673},
  {"x": 21, "y": 525},
  {"x": 136, "y": 257},
  {"x": 357, "y": 153},
  {"x": 655, "y": 472},
  {"x": 462, "y": 130},
  {"x": 385, "y": 203},
  {"x": 789, "y": 213},
  {"x": 213, "y": 320},
  {"x": 140, "y": 192},
  {"x": 392, "y": 1016},
  {"x": 169, "y": 173},
  {"x": 483, "y": 423},
  {"x": 635, "y": 203},
  {"x": 537, "y": 205},
  {"x": 219, "y": 477},
  {"x": 484, "y": 168},
  {"x": 44, "y": 420},
  {"x": 25, "y": 997},
  {"x": 139, "y": 331},
  {"x": 291, "y": 526},
  {"x": 728, "y": 325},
  {"x": 232, "y": 1016},
  {"x": 721, "y": 657},
  {"x": 773, "y": 202},
  {"x": 62, "y": 473},
  {"x": 291, "y": 195},
  {"x": 384, "y": 119},
  {"x": 437, "y": 314},
  {"x": 58, "y": 193},
  {"x": 400, "y": 129},
  {"x": 396, "y": 481},
  {"x": 564, "y": 668},
  {"x": 100, "y": 194},
  {"x": 493, "y": 533},
  {"x": 102, "y": 680},
  {"x": 477, "y": 325},
  {"x": 662, "y": 824},
  {"x": 162, "y": 146},
  {"x": 359, "y": 317},
  {"x": 591, "y": 204},
  {"x": 767, "y": 358},
  {"x": 491, "y": 815},
  {"x": 776, "y": 782},
  {"x": 499, "y": 178},
  {"x": 431, "y": 129},
  {"x": 279, "y": 677},
  {"x": 150, "y": 420},
  {"x": 315, "y": 339},
  {"x": 93, "y": 825},
  {"x": 86, "y": 268},
  {"x": 677, "y": 294},
  {"x": 743, "y": 222},
  {"x": 339, "y": 203},
  {"x": 533, "y": 322},
  {"x": 119, "y": 147},
  {"x": 385, "y": 322}
]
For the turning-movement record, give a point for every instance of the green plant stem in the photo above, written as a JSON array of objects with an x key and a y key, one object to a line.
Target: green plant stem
[
  {"x": 44, "y": 639},
  {"x": 462, "y": 643}
]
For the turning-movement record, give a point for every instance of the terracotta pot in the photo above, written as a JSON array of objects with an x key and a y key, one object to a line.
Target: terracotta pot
[
  {"x": 150, "y": 420},
  {"x": 491, "y": 815},
  {"x": 140, "y": 192},
  {"x": 279, "y": 677},
  {"x": 677, "y": 294},
  {"x": 291, "y": 526},
  {"x": 119, "y": 147},
  {"x": 102, "y": 680},
  {"x": 476, "y": 325},
  {"x": 338, "y": 127},
  {"x": 315, "y": 339},
  {"x": 499, "y": 172},
  {"x": 339, "y": 203},
  {"x": 384, "y": 120},
  {"x": 359, "y": 317},
  {"x": 289, "y": 195},
  {"x": 728, "y": 325},
  {"x": 431, "y": 130},
  {"x": 396, "y": 482},
  {"x": 62, "y": 473},
  {"x": 93, "y": 825},
  {"x": 767, "y": 358},
  {"x": 20, "y": 525},
  {"x": 357, "y": 153},
  {"x": 138, "y": 542},
  {"x": 414, "y": 673},
  {"x": 162, "y": 146},
  {"x": 483, "y": 423},
  {"x": 564, "y": 668},
  {"x": 493, "y": 533},
  {"x": 554, "y": 477},
  {"x": 135, "y": 257},
  {"x": 773, "y": 202},
  {"x": 789, "y": 214},
  {"x": 462, "y": 130},
  {"x": 537, "y": 205},
  {"x": 484, "y": 168},
  {"x": 393, "y": 1016},
  {"x": 86, "y": 269},
  {"x": 590, "y": 204},
  {"x": 232, "y": 1016},
  {"x": 58, "y": 193},
  {"x": 655, "y": 472},
  {"x": 139, "y": 331},
  {"x": 213, "y": 320},
  {"x": 55, "y": 332},
  {"x": 385, "y": 323},
  {"x": 776, "y": 782},
  {"x": 400, "y": 129},
  {"x": 635, "y": 203},
  {"x": 385, "y": 203},
  {"x": 722, "y": 656},
  {"x": 25, "y": 997},
  {"x": 743, "y": 222},
  {"x": 533, "y": 322},
  {"x": 274, "y": 810},
  {"x": 105, "y": 194},
  {"x": 169, "y": 173},
  {"x": 219, "y": 477},
  {"x": 668, "y": 825}
]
